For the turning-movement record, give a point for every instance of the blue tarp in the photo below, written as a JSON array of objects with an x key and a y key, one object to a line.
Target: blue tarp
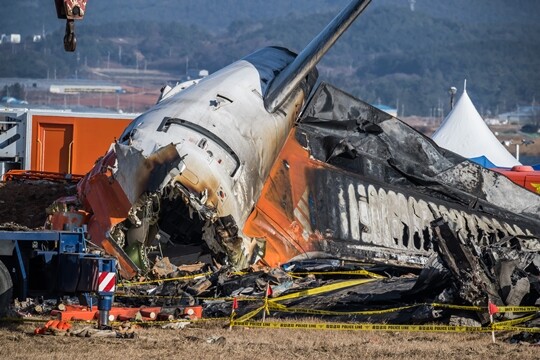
[{"x": 483, "y": 161}]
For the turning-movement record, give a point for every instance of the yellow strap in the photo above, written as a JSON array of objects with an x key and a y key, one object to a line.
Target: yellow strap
[
  {"x": 250, "y": 314},
  {"x": 513, "y": 322},
  {"x": 282, "y": 308},
  {"x": 459, "y": 307},
  {"x": 520, "y": 328},
  {"x": 350, "y": 272},
  {"x": 518, "y": 309},
  {"x": 187, "y": 277},
  {"x": 322, "y": 289}
]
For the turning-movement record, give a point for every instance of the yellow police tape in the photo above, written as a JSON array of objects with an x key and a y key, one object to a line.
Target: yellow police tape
[
  {"x": 323, "y": 289},
  {"x": 361, "y": 272},
  {"x": 518, "y": 309},
  {"x": 251, "y": 314},
  {"x": 270, "y": 305},
  {"x": 302, "y": 293},
  {"x": 273, "y": 305},
  {"x": 362, "y": 326},
  {"x": 509, "y": 323},
  {"x": 187, "y": 277},
  {"x": 179, "y": 297},
  {"x": 345, "y": 272},
  {"x": 458, "y": 307},
  {"x": 501, "y": 326},
  {"x": 522, "y": 329},
  {"x": 283, "y": 308},
  {"x": 378, "y": 327}
]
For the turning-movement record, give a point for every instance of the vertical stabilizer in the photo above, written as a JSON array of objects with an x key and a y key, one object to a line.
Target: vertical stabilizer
[{"x": 291, "y": 76}]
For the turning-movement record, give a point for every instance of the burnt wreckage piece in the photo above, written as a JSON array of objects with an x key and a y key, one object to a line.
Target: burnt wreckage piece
[
  {"x": 379, "y": 191},
  {"x": 507, "y": 272},
  {"x": 382, "y": 183}
]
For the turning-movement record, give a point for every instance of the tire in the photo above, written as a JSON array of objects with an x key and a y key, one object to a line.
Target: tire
[{"x": 6, "y": 290}]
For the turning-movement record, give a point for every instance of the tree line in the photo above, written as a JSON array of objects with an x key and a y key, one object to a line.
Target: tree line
[{"x": 394, "y": 56}]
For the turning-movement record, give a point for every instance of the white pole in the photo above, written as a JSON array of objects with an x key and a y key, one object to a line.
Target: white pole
[
  {"x": 265, "y": 302},
  {"x": 492, "y": 329}
]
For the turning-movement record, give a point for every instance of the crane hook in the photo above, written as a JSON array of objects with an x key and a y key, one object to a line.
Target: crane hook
[{"x": 70, "y": 41}]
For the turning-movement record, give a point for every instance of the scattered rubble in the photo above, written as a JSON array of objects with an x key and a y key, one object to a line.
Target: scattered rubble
[{"x": 525, "y": 338}]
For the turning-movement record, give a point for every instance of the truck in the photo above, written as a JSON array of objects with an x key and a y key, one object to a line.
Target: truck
[{"x": 52, "y": 264}]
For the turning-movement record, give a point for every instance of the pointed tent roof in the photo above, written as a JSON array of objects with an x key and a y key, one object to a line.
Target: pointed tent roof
[{"x": 464, "y": 132}]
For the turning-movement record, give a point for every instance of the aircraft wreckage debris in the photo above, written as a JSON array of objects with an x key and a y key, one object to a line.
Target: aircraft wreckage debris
[
  {"x": 442, "y": 268},
  {"x": 330, "y": 207},
  {"x": 428, "y": 248},
  {"x": 337, "y": 291}
]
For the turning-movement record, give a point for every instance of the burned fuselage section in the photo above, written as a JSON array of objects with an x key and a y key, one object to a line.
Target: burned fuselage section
[
  {"x": 349, "y": 182},
  {"x": 352, "y": 182}
]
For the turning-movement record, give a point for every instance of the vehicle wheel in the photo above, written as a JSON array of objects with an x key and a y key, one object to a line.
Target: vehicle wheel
[{"x": 6, "y": 289}]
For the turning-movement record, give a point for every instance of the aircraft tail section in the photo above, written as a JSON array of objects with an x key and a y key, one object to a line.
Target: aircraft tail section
[{"x": 289, "y": 79}]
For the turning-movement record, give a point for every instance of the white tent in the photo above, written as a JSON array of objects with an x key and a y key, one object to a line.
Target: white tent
[{"x": 464, "y": 132}]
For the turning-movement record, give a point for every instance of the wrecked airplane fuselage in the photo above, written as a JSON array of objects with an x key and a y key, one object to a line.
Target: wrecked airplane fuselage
[
  {"x": 227, "y": 167},
  {"x": 353, "y": 182},
  {"x": 189, "y": 170}
]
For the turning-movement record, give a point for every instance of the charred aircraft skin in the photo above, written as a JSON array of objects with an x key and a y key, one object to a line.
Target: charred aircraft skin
[
  {"x": 240, "y": 167},
  {"x": 353, "y": 182}
]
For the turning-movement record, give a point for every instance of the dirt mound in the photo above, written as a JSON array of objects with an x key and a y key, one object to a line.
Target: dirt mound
[{"x": 24, "y": 202}]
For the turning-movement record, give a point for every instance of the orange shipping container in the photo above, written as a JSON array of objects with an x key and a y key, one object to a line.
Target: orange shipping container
[{"x": 72, "y": 142}]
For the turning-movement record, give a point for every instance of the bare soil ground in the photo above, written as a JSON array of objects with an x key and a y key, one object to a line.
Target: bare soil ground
[
  {"x": 18, "y": 342},
  {"x": 25, "y": 202}
]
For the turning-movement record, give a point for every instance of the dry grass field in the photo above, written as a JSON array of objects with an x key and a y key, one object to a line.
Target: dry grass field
[{"x": 214, "y": 341}]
